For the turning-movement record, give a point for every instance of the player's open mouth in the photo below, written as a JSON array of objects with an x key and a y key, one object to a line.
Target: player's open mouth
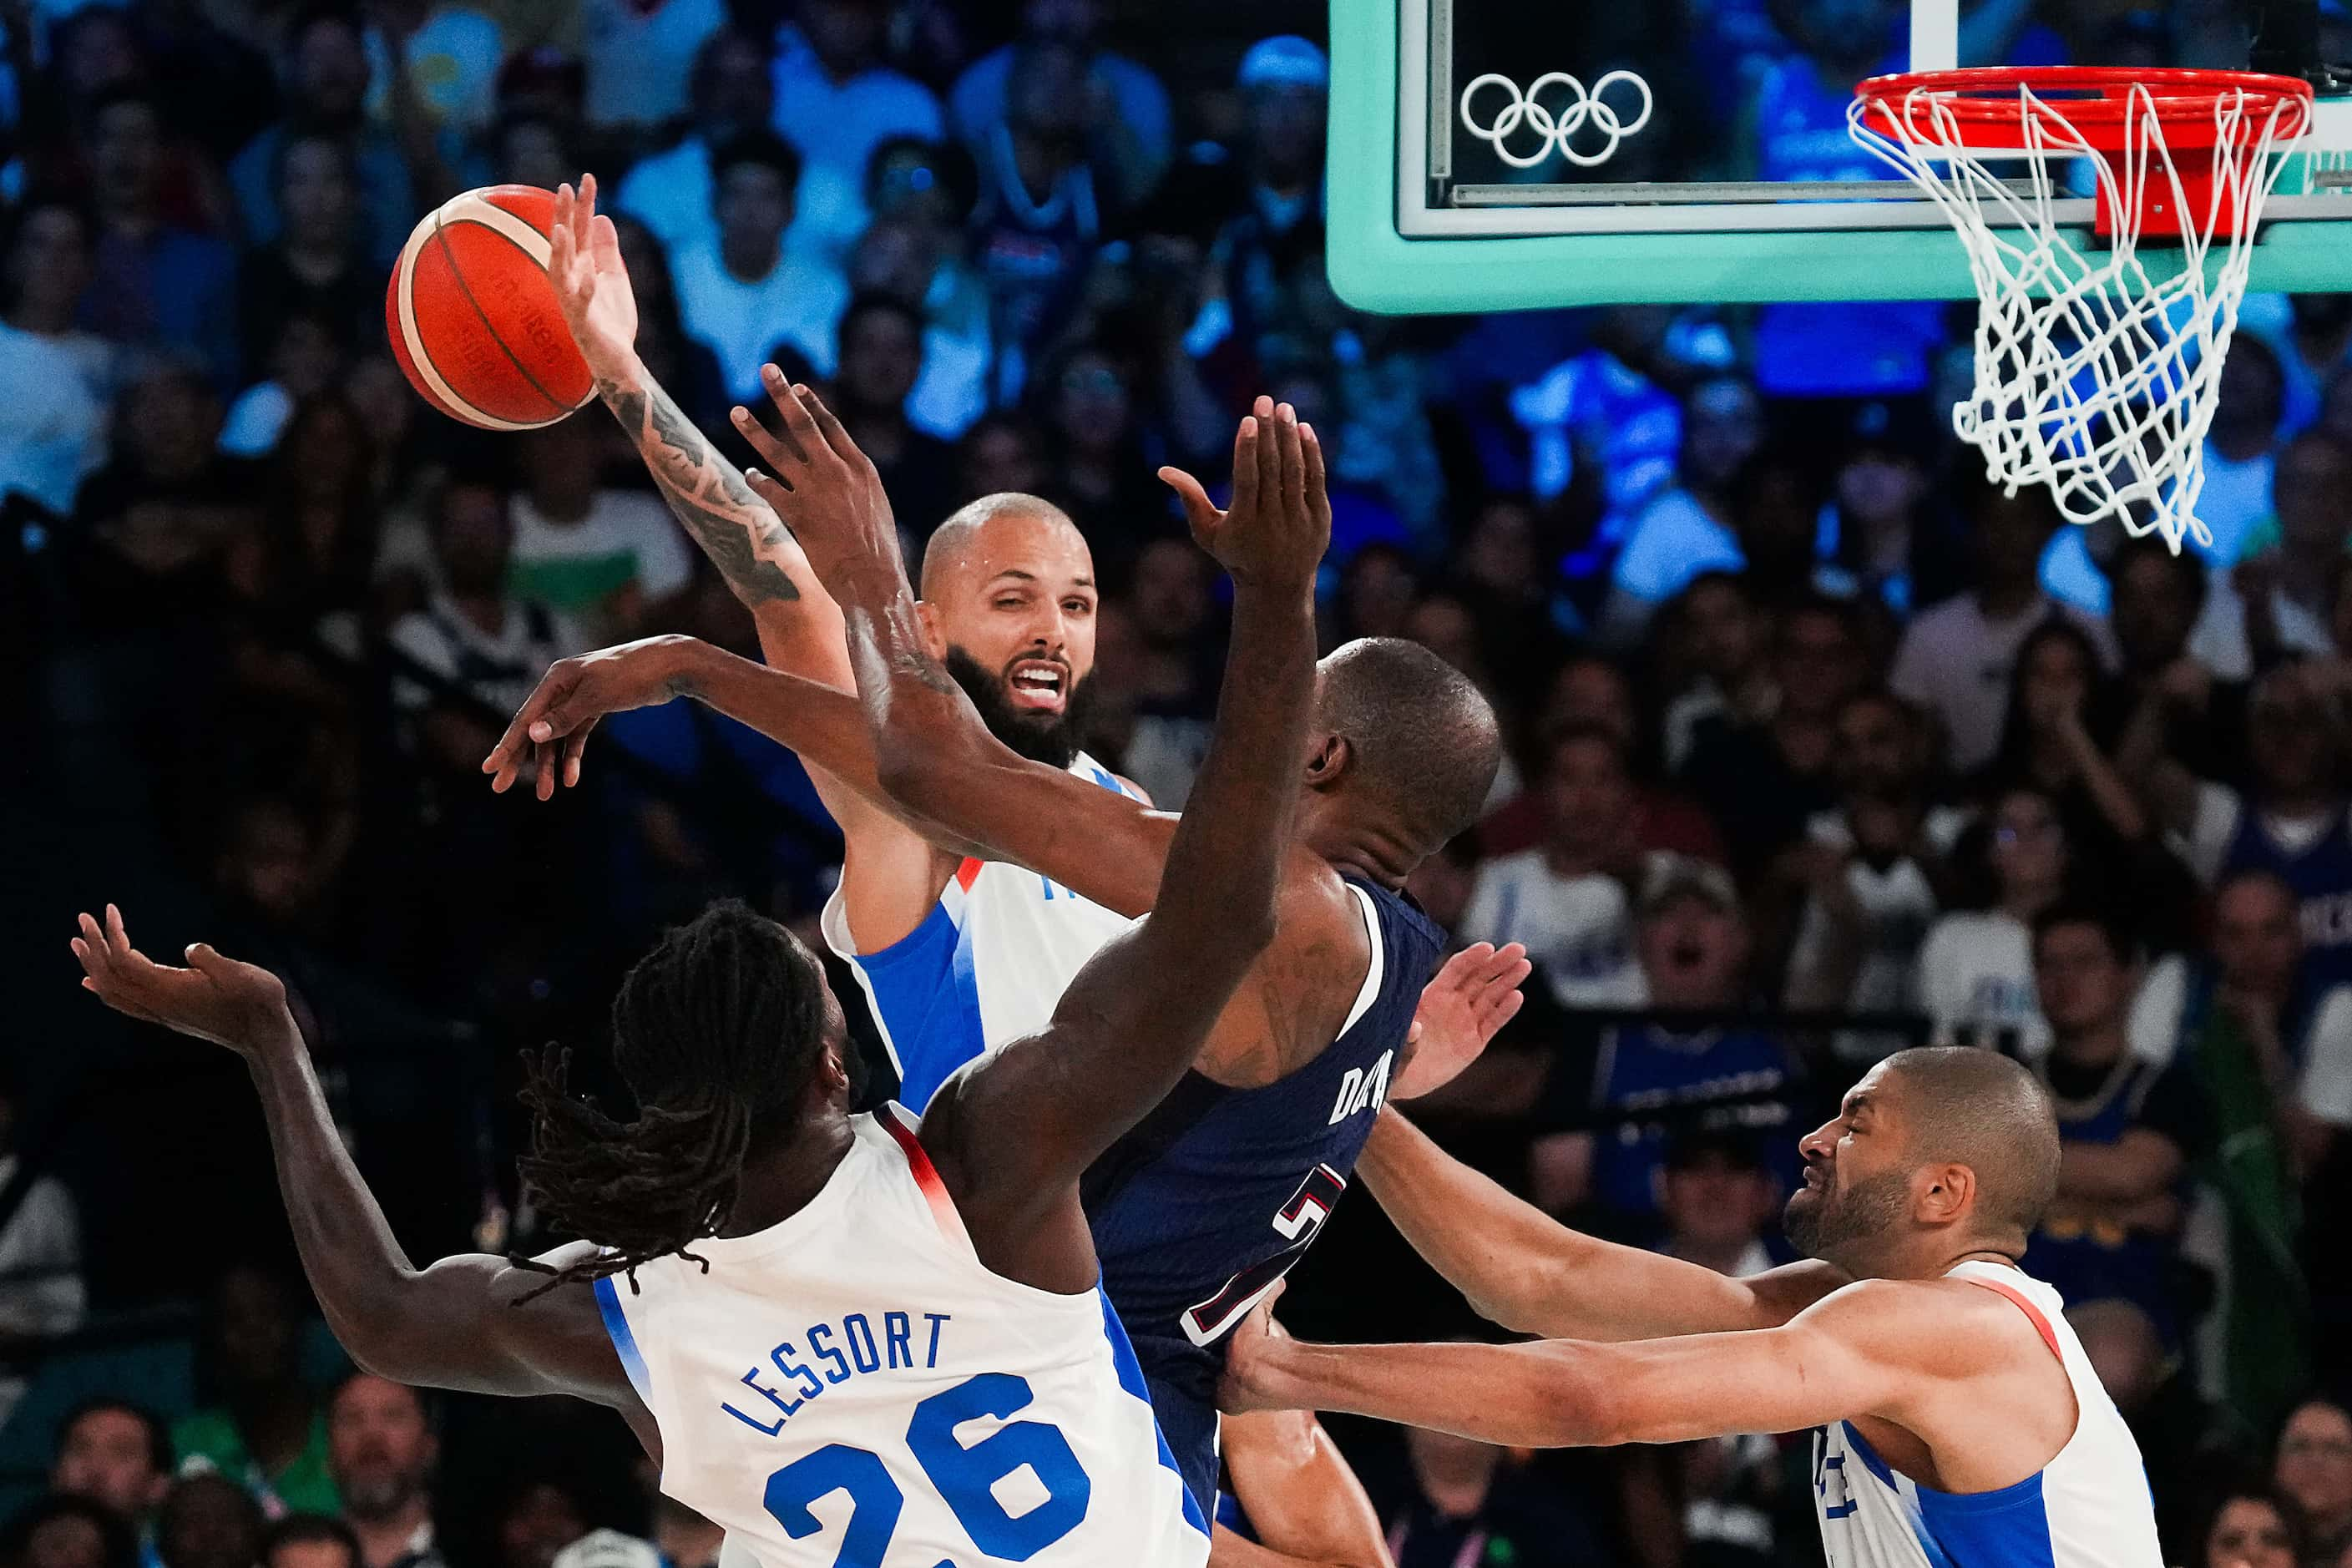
[{"x": 1039, "y": 684}]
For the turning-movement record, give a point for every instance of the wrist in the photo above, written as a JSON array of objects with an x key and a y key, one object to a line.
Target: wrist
[
  {"x": 682, "y": 662},
  {"x": 617, "y": 375}
]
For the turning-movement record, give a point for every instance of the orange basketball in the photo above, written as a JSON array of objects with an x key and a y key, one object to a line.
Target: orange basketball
[{"x": 473, "y": 319}]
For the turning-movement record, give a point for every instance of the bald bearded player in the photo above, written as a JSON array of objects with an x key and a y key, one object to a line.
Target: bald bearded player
[{"x": 965, "y": 913}]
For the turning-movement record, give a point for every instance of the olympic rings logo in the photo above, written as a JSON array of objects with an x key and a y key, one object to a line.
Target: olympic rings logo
[{"x": 1556, "y": 129}]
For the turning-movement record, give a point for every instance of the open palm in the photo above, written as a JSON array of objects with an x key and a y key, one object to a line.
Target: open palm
[
  {"x": 215, "y": 998},
  {"x": 583, "y": 262}
]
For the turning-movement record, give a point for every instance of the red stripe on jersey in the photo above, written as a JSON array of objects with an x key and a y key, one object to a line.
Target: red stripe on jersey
[
  {"x": 2032, "y": 1312},
  {"x": 969, "y": 872},
  {"x": 927, "y": 1175}
]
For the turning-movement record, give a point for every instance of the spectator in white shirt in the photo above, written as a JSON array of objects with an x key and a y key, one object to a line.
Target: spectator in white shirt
[
  {"x": 54, "y": 381},
  {"x": 1566, "y": 901},
  {"x": 744, "y": 290},
  {"x": 1688, "y": 530},
  {"x": 1976, "y": 968},
  {"x": 601, "y": 556},
  {"x": 41, "y": 1291},
  {"x": 640, "y": 58},
  {"x": 1875, "y": 869},
  {"x": 835, "y": 102},
  {"x": 1957, "y": 657},
  {"x": 733, "y": 92}
]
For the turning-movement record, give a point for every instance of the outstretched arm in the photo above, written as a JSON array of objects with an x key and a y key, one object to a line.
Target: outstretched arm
[
  {"x": 1015, "y": 1130},
  {"x": 1305, "y": 1504},
  {"x": 1523, "y": 1270},
  {"x": 453, "y": 1324}
]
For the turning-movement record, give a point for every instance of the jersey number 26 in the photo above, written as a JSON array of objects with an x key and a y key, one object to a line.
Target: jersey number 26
[{"x": 962, "y": 1476}]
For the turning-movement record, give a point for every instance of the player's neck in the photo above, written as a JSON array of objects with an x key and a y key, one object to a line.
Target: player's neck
[
  {"x": 1367, "y": 851},
  {"x": 783, "y": 1178}
]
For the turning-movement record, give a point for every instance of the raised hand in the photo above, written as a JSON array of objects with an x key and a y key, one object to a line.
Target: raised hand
[
  {"x": 551, "y": 729},
  {"x": 215, "y": 998},
  {"x": 816, "y": 479},
  {"x": 1279, "y": 521},
  {"x": 583, "y": 262},
  {"x": 1471, "y": 997}
]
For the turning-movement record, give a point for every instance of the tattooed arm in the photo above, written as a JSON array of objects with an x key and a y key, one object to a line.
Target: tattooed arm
[{"x": 891, "y": 876}]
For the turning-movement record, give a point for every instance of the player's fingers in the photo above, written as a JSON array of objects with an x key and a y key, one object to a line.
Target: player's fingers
[
  {"x": 604, "y": 245},
  {"x": 1319, "y": 496},
  {"x": 776, "y": 494},
  {"x": 1246, "y": 441},
  {"x": 828, "y": 429},
  {"x": 118, "y": 941},
  {"x": 781, "y": 453},
  {"x": 1504, "y": 1009},
  {"x": 205, "y": 961},
  {"x": 1290, "y": 463},
  {"x": 1198, "y": 509},
  {"x": 1269, "y": 461},
  {"x": 574, "y": 746},
  {"x": 587, "y": 203},
  {"x": 798, "y": 426}
]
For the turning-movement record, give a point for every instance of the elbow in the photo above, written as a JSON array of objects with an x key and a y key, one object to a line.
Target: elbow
[{"x": 1573, "y": 1407}]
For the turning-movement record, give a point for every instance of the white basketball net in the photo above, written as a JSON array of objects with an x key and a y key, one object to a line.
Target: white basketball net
[{"x": 2095, "y": 375}]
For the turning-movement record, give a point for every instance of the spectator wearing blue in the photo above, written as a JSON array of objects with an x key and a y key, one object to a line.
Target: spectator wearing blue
[
  {"x": 881, "y": 360},
  {"x": 1686, "y": 530},
  {"x": 1128, "y": 112},
  {"x": 158, "y": 285},
  {"x": 836, "y": 101},
  {"x": 327, "y": 77},
  {"x": 1041, "y": 211},
  {"x": 733, "y": 92},
  {"x": 54, "y": 379},
  {"x": 642, "y": 58}
]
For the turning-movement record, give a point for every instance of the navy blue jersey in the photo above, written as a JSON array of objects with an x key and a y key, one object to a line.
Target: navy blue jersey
[{"x": 1203, "y": 1207}]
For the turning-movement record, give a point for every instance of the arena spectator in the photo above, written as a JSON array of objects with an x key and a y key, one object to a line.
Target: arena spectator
[
  {"x": 1976, "y": 967},
  {"x": 641, "y": 59},
  {"x": 380, "y": 1450},
  {"x": 598, "y": 555},
  {"x": 1606, "y": 402},
  {"x": 2314, "y": 1472},
  {"x": 313, "y": 267},
  {"x": 2239, "y": 446},
  {"x": 836, "y": 101},
  {"x": 2180, "y": 708},
  {"x": 1102, "y": 472},
  {"x": 1589, "y": 688},
  {"x": 742, "y": 288},
  {"x": 41, "y": 1289},
  {"x": 327, "y": 77},
  {"x": 2127, "y": 1129},
  {"x": 265, "y": 1432},
  {"x": 1465, "y": 1500},
  {"x": 1040, "y": 214},
  {"x": 536, "y": 1520},
  {"x": 209, "y": 1522},
  {"x": 1001, "y": 453},
  {"x": 730, "y": 93},
  {"x": 1129, "y": 108},
  {"x": 683, "y": 364},
  {"x": 1875, "y": 870},
  {"x": 1762, "y": 779},
  {"x": 881, "y": 358},
  {"x": 1723, "y": 641},
  {"x": 1499, "y": 574},
  {"x": 1638, "y": 1085},
  {"x": 1686, "y": 532},
  {"x": 309, "y": 1540},
  {"x": 158, "y": 283},
  {"x": 116, "y": 1453},
  {"x": 62, "y": 1530},
  {"x": 2291, "y": 820},
  {"x": 2251, "y": 1528},
  {"x": 56, "y": 380},
  {"x": 922, "y": 265},
  {"x": 2283, "y": 589},
  {"x": 1566, "y": 900},
  {"x": 1956, "y": 658}
]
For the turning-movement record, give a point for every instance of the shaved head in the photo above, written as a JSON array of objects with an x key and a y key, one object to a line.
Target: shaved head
[
  {"x": 964, "y": 541},
  {"x": 1423, "y": 739},
  {"x": 1963, "y": 1105}
]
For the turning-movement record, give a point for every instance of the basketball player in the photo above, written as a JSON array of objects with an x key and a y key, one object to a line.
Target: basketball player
[
  {"x": 821, "y": 1303},
  {"x": 1960, "y": 1423},
  {"x": 969, "y": 914}
]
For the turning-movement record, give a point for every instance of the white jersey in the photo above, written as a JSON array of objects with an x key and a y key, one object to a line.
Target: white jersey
[
  {"x": 852, "y": 1386},
  {"x": 2087, "y": 1508},
  {"x": 986, "y": 966}
]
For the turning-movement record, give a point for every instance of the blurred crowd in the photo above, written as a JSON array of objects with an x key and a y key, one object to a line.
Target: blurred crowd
[{"x": 1820, "y": 744}]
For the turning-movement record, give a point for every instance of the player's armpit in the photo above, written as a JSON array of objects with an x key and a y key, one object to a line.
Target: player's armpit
[{"x": 464, "y": 1323}]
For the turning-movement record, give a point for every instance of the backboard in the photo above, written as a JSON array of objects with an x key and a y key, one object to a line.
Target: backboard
[{"x": 1440, "y": 201}]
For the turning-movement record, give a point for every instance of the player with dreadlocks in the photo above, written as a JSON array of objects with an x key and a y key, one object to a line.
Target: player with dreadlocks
[{"x": 818, "y": 1303}]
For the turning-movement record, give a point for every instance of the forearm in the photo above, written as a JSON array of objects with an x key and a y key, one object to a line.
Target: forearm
[
  {"x": 357, "y": 1270},
  {"x": 742, "y": 536},
  {"x": 1523, "y": 1270},
  {"x": 1540, "y": 1395},
  {"x": 2114, "y": 797},
  {"x": 1303, "y": 1502}
]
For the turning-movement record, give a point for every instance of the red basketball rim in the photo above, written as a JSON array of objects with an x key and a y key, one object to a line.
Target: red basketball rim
[{"x": 1986, "y": 111}]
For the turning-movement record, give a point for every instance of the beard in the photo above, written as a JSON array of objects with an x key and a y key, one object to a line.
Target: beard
[
  {"x": 1048, "y": 738},
  {"x": 380, "y": 1495},
  {"x": 1828, "y": 1223}
]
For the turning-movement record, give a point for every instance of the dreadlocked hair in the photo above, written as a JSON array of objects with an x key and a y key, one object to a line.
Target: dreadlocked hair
[{"x": 716, "y": 1030}]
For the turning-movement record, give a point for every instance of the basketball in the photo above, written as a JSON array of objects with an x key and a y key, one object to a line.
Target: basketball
[{"x": 473, "y": 319}]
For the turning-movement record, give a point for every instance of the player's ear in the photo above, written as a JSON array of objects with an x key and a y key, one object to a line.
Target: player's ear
[
  {"x": 935, "y": 641},
  {"x": 1949, "y": 1194},
  {"x": 1329, "y": 758}
]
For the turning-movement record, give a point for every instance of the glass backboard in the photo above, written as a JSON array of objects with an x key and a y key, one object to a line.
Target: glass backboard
[{"x": 1719, "y": 171}]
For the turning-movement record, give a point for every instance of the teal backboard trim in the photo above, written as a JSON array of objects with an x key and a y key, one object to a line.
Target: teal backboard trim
[{"x": 1374, "y": 267}]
